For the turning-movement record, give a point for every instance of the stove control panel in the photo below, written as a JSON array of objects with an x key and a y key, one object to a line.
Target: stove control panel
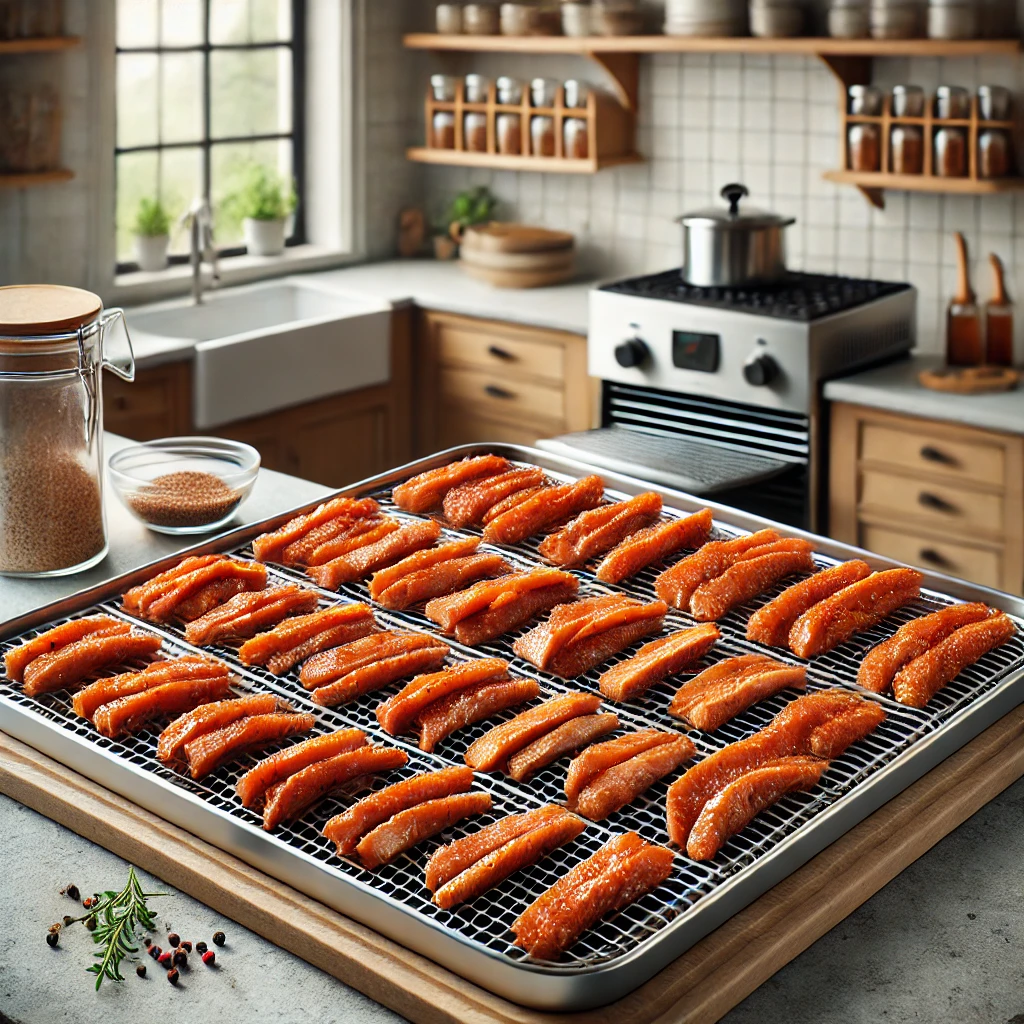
[
  {"x": 760, "y": 369},
  {"x": 633, "y": 352}
]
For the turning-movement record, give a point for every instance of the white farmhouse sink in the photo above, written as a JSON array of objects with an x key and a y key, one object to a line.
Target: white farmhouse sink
[{"x": 273, "y": 345}]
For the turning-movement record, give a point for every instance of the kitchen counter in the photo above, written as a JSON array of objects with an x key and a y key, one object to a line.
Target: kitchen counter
[
  {"x": 940, "y": 942},
  {"x": 894, "y": 388}
]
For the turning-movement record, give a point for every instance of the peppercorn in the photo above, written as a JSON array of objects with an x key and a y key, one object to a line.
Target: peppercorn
[
  {"x": 173, "y": 939},
  {"x": 141, "y": 970},
  {"x": 172, "y": 976},
  {"x": 68, "y": 919},
  {"x": 72, "y": 891},
  {"x": 154, "y": 950},
  {"x": 201, "y": 947},
  {"x": 88, "y": 902},
  {"x": 219, "y": 938},
  {"x": 180, "y": 958},
  {"x": 52, "y": 938},
  {"x": 90, "y": 923},
  {"x": 187, "y": 946},
  {"x": 165, "y": 959},
  {"x": 209, "y": 958},
  {"x": 147, "y": 942}
]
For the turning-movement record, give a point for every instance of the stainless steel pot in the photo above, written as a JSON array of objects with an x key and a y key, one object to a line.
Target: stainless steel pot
[{"x": 724, "y": 248}]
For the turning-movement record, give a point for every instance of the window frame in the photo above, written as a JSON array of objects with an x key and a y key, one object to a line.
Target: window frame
[{"x": 297, "y": 135}]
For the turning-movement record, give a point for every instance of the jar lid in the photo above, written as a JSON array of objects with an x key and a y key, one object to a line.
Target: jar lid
[
  {"x": 36, "y": 310},
  {"x": 732, "y": 216}
]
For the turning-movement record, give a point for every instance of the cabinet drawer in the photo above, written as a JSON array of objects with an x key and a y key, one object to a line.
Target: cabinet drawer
[
  {"x": 956, "y": 508},
  {"x": 502, "y": 396},
  {"x": 155, "y": 405},
  {"x": 978, "y": 565},
  {"x": 937, "y": 456},
  {"x": 462, "y": 426},
  {"x": 500, "y": 353}
]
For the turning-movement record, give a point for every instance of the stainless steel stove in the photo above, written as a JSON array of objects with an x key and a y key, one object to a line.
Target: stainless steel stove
[{"x": 718, "y": 391}]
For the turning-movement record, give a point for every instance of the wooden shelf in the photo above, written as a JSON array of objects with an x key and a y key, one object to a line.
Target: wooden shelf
[
  {"x": 32, "y": 178},
  {"x": 874, "y": 184},
  {"x": 39, "y": 44},
  {"x": 500, "y": 162}
]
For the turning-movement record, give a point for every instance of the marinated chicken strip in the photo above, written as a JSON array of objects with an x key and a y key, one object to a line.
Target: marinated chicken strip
[
  {"x": 325, "y": 641},
  {"x": 656, "y": 661},
  {"x": 509, "y": 503},
  {"x": 423, "y": 492},
  {"x": 442, "y": 579},
  {"x": 623, "y": 876},
  {"x": 677, "y": 583},
  {"x": 492, "y": 750},
  {"x": 620, "y": 785},
  {"x": 291, "y": 798},
  {"x": 253, "y": 785},
  {"x": 380, "y": 674},
  {"x": 212, "y": 749},
  {"x": 715, "y": 697},
  {"x": 109, "y": 688},
  {"x": 823, "y": 724},
  {"x": 363, "y": 561},
  {"x": 569, "y": 737},
  {"x": 771, "y": 624},
  {"x": 346, "y": 829},
  {"x": 376, "y": 530},
  {"x": 344, "y": 531},
  {"x": 296, "y": 631},
  {"x": 246, "y": 614},
  {"x": 412, "y": 826},
  {"x": 19, "y": 658},
  {"x": 598, "y": 758},
  {"x": 465, "y": 707},
  {"x": 213, "y": 594},
  {"x": 76, "y": 661},
  {"x": 583, "y": 655},
  {"x": 270, "y": 546},
  {"x": 460, "y": 854},
  {"x": 397, "y": 714},
  {"x": 163, "y": 581},
  {"x": 184, "y": 589},
  {"x": 518, "y": 611},
  {"x": 915, "y": 684},
  {"x": 467, "y": 504},
  {"x": 852, "y": 610},
  {"x": 654, "y": 544},
  {"x": 330, "y": 666},
  {"x": 548, "y": 506},
  {"x": 744, "y": 581},
  {"x": 917, "y": 637},
  {"x": 598, "y": 530},
  {"x": 385, "y": 578},
  {"x": 514, "y": 856},
  {"x": 735, "y": 807},
  {"x": 131, "y": 713},
  {"x": 210, "y": 717}
]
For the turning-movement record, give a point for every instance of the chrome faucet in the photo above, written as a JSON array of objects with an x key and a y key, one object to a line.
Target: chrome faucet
[{"x": 199, "y": 218}]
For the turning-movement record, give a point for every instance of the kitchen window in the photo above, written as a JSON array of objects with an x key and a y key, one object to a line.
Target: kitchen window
[{"x": 205, "y": 89}]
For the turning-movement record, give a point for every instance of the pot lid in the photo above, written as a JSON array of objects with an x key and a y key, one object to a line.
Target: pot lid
[
  {"x": 37, "y": 310},
  {"x": 732, "y": 216}
]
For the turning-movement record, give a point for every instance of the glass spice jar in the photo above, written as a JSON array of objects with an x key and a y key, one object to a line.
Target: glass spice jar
[
  {"x": 575, "y": 130},
  {"x": 864, "y": 145},
  {"x": 906, "y": 149},
  {"x": 994, "y": 154},
  {"x": 950, "y": 153},
  {"x": 474, "y": 132},
  {"x": 442, "y": 135},
  {"x": 508, "y": 127},
  {"x": 542, "y": 135}
]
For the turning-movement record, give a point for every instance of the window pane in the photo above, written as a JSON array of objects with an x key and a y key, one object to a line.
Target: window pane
[
  {"x": 181, "y": 181},
  {"x": 137, "y": 22},
  {"x": 136, "y": 180},
  {"x": 181, "y": 114},
  {"x": 250, "y": 21},
  {"x": 228, "y": 164},
  {"x": 251, "y": 92},
  {"x": 137, "y": 120},
  {"x": 181, "y": 23}
]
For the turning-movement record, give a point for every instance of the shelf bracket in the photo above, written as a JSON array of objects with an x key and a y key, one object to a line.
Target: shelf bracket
[
  {"x": 624, "y": 69},
  {"x": 849, "y": 70},
  {"x": 875, "y": 196}
]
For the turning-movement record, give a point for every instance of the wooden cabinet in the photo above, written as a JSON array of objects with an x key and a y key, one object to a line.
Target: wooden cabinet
[
  {"x": 486, "y": 380},
  {"x": 157, "y": 404},
  {"x": 933, "y": 494}
]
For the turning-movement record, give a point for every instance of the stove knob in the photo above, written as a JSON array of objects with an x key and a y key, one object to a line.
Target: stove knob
[
  {"x": 632, "y": 353},
  {"x": 760, "y": 370}
]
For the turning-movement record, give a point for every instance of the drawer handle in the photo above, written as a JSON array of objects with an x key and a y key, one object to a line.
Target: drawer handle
[
  {"x": 936, "y": 558},
  {"x": 930, "y": 454},
  {"x": 501, "y": 353},
  {"x": 495, "y": 392},
  {"x": 933, "y": 501}
]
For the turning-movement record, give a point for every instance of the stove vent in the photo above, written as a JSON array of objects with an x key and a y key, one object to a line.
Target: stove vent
[{"x": 881, "y": 341}]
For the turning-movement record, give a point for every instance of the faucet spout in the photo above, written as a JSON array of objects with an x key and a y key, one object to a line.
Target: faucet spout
[{"x": 199, "y": 218}]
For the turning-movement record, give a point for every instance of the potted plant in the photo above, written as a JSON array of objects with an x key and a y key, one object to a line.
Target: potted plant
[
  {"x": 474, "y": 206},
  {"x": 263, "y": 204},
  {"x": 152, "y": 235}
]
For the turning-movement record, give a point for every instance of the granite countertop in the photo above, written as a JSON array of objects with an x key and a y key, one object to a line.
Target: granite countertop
[
  {"x": 940, "y": 942},
  {"x": 894, "y": 388}
]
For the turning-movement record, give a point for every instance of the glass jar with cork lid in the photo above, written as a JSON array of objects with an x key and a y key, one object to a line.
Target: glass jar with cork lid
[{"x": 54, "y": 344}]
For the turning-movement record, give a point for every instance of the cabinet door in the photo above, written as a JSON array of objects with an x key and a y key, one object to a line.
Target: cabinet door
[
  {"x": 157, "y": 404},
  {"x": 338, "y": 446}
]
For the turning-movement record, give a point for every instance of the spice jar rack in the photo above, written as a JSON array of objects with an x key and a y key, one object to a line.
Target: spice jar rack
[
  {"x": 610, "y": 133},
  {"x": 874, "y": 183}
]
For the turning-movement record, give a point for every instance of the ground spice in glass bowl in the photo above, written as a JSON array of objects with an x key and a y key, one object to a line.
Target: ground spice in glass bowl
[{"x": 184, "y": 485}]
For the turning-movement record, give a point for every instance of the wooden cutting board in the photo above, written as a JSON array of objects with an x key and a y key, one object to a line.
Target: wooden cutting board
[
  {"x": 549, "y": 259},
  {"x": 499, "y": 237},
  {"x": 518, "y": 278},
  {"x": 698, "y": 988}
]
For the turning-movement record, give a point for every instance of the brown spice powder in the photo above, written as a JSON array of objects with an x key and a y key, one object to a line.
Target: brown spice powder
[{"x": 184, "y": 499}]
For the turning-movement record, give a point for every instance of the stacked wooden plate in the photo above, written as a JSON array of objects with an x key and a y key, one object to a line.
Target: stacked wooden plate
[{"x": 517, "y": 256}]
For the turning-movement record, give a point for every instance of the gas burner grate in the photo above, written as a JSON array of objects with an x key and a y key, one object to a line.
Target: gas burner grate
[{"x": 800, "y": 297}]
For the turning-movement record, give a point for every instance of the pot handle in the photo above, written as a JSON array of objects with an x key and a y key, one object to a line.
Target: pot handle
[
  {"x": 123, "y": 365},
  {"x": 732, "y": 194}
]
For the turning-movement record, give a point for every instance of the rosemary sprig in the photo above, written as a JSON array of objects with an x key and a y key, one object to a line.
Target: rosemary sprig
[{"x": 118, "y": 915}]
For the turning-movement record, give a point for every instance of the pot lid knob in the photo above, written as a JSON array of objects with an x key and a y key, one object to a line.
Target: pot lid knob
[{"x": 732, "y": 194}]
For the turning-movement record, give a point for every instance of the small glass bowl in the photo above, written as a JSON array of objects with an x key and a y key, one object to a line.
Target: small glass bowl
[{"x": 183, "y": 485}]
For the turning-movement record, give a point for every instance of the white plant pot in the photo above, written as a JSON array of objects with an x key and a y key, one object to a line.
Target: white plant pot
[
  {"x": 264, "y": 237},
  {"x": 151, "y": 251}
]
